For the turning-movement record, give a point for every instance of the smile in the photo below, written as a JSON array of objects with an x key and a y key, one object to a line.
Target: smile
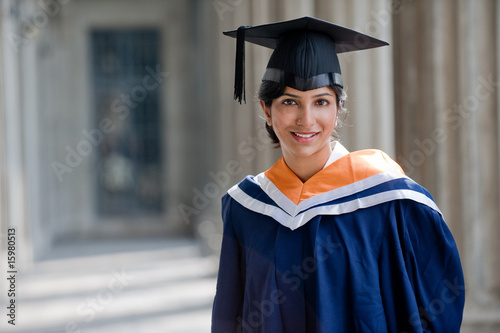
[{"x": 304, "y": 135}]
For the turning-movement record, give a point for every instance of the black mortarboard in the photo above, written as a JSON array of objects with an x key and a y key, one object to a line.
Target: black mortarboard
[{"x": 305, "y": 52}]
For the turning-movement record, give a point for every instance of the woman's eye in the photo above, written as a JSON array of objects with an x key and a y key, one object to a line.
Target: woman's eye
[
  {"x": 289, "y": 102},
  {"x": 322, "y": 102}
]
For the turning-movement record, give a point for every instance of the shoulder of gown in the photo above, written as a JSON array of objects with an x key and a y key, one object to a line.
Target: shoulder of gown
[{"x": 357, "y": 180}]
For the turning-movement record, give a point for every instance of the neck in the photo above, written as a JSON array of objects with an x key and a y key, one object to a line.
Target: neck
[
  {"x": 306, "y": 167},
  {"x": 304, "y": 172}
]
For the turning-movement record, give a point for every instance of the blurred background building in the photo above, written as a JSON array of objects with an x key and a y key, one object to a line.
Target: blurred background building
[{"x": 117, "y": 119}]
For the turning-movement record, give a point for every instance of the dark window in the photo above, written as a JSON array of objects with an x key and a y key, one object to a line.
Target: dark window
[{"x": 127, "y": 112}]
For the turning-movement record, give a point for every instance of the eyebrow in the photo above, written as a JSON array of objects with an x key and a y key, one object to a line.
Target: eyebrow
[{"x": 315, "y": 96}]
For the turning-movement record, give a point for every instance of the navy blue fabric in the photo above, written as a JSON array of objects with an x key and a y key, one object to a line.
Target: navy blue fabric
[
  {"x": 393, "y": 267},
  {"x": 250, "y": 187},
  {"x": 395, "y": 184},
  {"x": 305, "y": 54}
]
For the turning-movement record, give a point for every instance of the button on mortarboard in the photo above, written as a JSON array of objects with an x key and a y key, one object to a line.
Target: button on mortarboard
[{"x": 305, "y": 52}]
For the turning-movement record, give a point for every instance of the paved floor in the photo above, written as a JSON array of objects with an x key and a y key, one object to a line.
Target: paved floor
[
  {"x": 139, "y": 286},
  {"x": 118, "y": 286}
]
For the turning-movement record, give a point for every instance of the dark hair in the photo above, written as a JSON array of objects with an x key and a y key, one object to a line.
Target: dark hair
[{"x": 270, "y": 90}]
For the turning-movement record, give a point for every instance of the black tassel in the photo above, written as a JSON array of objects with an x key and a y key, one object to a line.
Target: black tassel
[{"x": 239, "y": 72}]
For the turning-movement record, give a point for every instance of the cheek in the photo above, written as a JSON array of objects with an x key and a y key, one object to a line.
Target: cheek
[
  {"x": 280, "y": 119},
  {"x": 329, "y": 121},
  {"x": 277, "y": 124}
]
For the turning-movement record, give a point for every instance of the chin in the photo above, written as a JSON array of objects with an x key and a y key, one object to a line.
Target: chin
[{"x": 305, "y": 152}]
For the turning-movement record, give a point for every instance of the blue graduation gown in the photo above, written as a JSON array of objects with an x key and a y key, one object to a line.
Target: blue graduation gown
[{"x": 359, "y": 247}]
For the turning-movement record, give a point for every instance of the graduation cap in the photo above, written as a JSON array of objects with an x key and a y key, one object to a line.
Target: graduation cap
[{"x": 305, "y": 52}]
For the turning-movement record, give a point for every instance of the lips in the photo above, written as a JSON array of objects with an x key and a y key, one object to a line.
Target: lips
[{"x": 305, "y": 136}]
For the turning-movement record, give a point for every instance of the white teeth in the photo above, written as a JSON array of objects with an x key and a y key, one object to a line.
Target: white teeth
[{"x": 304, "y": 135}]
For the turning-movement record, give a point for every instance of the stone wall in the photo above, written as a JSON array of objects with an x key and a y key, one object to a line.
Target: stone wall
[{"x": 447, "y": 125}]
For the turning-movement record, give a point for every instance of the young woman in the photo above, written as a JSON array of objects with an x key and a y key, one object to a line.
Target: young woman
[{"x": 327, "y": 240}]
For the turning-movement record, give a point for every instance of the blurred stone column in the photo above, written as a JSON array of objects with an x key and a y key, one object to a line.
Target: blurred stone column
[
  {"x": 447, "y": 122},
  {"x": 368, "y": 74},
  {"x": 3, "y": 165},
  {"x": 242, "y": 144},
  {"x": 14, "y": 206}
]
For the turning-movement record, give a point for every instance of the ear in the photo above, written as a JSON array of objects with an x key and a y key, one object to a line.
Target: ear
[{"x": 267, "y": 112}]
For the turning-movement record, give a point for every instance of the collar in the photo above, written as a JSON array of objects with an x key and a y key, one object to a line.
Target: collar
[
  {"x": 338, "y": 151},
  {"x": 342, "y": 169}
]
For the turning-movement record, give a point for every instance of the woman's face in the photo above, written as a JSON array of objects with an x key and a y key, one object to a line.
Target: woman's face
[{"x": 303, "y": 122}]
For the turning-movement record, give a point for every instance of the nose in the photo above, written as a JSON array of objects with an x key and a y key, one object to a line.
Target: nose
[{"x": 306, "y": 116}]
